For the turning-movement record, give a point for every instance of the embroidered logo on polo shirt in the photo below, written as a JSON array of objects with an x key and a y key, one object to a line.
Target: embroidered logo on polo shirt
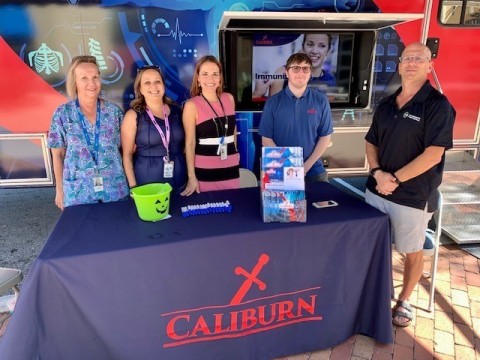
[
  {"x": 311, "y": 111},
  {"x": 410, "y": 116}
]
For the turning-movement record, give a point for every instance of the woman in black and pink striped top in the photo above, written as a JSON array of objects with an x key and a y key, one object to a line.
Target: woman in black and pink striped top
[{"x": 210, "y": 132}]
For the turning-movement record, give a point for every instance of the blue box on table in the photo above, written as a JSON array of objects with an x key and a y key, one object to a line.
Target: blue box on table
[{"x": 283, "y": 185}]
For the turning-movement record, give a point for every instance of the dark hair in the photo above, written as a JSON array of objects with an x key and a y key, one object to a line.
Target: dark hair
[
  {"x": 138, "y": 104},
  {"x": 298, "y": 58},
  {"x": 327, "y": 34},
  {"x": 195, "y": 88}
]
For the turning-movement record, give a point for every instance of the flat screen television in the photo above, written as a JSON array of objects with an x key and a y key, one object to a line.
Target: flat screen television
[{"x": 254, "y": 64}]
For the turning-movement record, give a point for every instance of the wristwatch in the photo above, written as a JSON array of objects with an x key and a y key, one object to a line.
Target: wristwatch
[{"x": 374, "y": 170}]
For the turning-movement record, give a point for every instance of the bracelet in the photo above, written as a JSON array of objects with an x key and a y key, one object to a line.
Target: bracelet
[
  {"x": 397, "y": 181},
  {"x": 374, "y": 170}
]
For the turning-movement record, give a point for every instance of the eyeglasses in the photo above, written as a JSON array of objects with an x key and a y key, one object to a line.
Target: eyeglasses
[
  {"x": 148, "y": 67},
  {"x": 417, "y": 59},
  {"x": 84, "y": 59},
  {"x": 296, "y": 69}
]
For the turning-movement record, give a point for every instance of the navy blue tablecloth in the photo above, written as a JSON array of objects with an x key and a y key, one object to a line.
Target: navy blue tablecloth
[{"x": 220, "y": 286}]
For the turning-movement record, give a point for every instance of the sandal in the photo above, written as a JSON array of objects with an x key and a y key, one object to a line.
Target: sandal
[{"x": 406, "y": 314}]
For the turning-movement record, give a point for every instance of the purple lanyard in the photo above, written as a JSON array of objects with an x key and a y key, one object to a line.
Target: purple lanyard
[{"x": 165, "y": 139}]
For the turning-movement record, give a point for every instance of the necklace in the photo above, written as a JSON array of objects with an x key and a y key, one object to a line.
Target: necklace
[{"x": 215, "y": 117}]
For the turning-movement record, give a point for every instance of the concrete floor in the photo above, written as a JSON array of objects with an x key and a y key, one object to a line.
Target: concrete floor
[{"x": 26, "y": 218}]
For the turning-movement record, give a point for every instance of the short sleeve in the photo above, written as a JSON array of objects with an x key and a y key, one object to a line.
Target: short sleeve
[
  {"x": 265, "y": 128},
  {"x": 372, "y": 134},
  {"x": 326, "y": 125},
  {"x": 56, "y": 134},
  {"x": 118, "y": 114},
  {"x": 439, "y": 124}
]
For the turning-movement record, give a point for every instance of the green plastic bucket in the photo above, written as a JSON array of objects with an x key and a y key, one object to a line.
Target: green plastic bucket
[{"x": 152, "y": 200}]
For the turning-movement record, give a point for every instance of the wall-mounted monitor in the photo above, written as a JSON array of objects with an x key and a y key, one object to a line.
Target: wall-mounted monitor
[{"x": 254, "y": 63}]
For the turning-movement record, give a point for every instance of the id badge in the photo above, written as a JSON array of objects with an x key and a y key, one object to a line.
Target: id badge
[
  {"x": 98, "y": 184},
  {"x": 223, "y": 152},
  {"x": 168, "y": 169}
]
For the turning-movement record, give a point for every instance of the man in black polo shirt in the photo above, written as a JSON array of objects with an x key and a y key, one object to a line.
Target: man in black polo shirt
[{"x": 405, "y": 148}]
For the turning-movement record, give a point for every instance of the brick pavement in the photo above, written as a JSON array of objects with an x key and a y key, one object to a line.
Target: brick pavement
[{"x": 451, "y": 331}]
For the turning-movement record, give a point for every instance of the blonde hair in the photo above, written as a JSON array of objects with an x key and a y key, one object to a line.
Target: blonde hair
[
  {"x": 138, "y": 104},
  {"x": 195, "y": 88},
  {"x": 70, "y": 85}
]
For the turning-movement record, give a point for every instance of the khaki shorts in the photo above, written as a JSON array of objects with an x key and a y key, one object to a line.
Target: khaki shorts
[{"x": 408, "y": 224}]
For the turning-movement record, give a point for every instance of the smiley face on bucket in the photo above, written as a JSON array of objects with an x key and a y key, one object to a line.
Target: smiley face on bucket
[{"x": 162, "y": 206}]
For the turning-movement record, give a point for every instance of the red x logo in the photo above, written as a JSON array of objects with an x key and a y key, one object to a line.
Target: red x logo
[{"x": 250, "y": 279}]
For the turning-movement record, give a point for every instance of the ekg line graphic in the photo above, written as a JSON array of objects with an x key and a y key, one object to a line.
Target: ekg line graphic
[{"x": 177, "y": 32}]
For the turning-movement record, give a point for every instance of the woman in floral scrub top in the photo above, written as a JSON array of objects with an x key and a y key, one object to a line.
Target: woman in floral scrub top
[{"x": 84, "y": 138}]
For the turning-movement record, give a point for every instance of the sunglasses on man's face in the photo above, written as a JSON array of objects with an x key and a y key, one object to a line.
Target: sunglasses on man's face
[{"x": 84, "y": 59}]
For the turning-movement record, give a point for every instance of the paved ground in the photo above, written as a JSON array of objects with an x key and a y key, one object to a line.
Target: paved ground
[
  {"x": 451, "y": 331},
  {"x": 26, "y": 218}
]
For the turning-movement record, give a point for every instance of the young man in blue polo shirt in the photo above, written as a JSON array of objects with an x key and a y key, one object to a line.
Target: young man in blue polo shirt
[
  {"x": 299, "y": 116},
  {"x": 405, "y": 148}
]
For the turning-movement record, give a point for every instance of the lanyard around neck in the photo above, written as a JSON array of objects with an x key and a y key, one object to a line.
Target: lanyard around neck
[
  {"x": 165, "y": 138},
  {"x": 217, "y": 117},
  {"x": 96, "y": 144}
]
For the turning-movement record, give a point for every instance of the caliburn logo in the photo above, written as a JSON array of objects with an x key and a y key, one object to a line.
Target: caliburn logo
[
  {"x": 264, "y": 41},
  {"x": 242, "y": 318}
]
